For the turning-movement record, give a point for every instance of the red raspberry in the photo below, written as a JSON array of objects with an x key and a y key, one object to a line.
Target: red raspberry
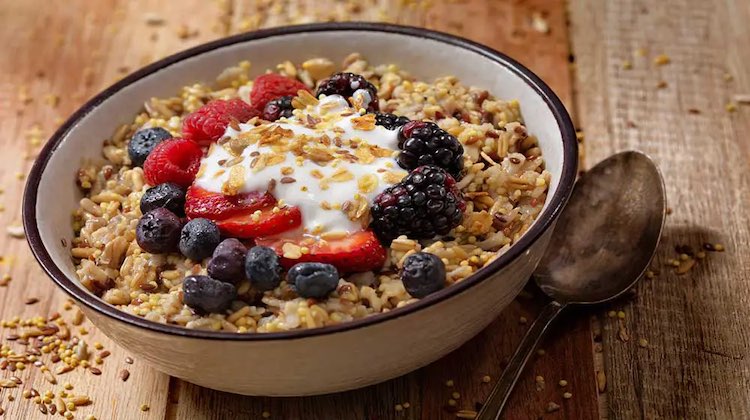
[
  {"x": 271, "y": 86},
  {"x": 208, "y": 123},
  {"x": 174, "y": 161}
]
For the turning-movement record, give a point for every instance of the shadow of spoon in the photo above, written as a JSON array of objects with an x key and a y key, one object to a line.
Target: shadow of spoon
[{"x": 602, "y": 244}]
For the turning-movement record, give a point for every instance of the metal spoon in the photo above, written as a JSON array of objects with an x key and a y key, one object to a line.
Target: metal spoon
[{"x": 603, "y": 243}]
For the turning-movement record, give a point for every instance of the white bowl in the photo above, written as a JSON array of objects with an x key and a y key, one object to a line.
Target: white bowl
[{"x": 328, "y": 359}]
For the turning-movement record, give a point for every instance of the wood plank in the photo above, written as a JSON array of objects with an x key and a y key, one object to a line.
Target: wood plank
[
  {"x": 505, "y": 25},
  {"x": 696, "y": 363},
  {"x": 72, "y": 52}
]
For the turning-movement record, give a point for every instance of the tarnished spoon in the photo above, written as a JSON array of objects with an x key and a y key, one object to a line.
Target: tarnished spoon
[{"x": 603, "y": 243}]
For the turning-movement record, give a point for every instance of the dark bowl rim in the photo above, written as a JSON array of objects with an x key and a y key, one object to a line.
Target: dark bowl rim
[{"x": 544, "y": 222}]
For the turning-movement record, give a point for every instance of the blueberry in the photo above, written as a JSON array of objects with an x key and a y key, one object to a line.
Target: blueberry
[
  {"x": 262, "y": 268},
  {"x": 228, "y": 261},
  {"x": 207, "y": 295},
  {"x": 423, "y": 273},
  {"x": 144, "y": 141},
  {"x": 199, "y": 238},
  {"x": 167, "y": 195},
  {"x": 158, "y": 231},
  {"x": 313, "y": 280}
]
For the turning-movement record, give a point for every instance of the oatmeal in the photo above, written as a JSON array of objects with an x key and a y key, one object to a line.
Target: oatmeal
[{"x": 279, "y": 203}]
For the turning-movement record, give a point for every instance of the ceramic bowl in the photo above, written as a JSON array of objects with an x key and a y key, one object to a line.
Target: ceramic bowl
[{"x": 333, "y": 358}]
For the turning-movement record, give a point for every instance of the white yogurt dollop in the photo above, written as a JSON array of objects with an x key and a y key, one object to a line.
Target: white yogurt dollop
[{"x": 318, "y": 197}]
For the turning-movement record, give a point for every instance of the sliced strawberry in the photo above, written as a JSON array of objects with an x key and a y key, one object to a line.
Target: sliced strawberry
[
  {"x": 268, "y": 222},
  {"x": 217, "y": 206},
  {"x": 361, "y": 251}
]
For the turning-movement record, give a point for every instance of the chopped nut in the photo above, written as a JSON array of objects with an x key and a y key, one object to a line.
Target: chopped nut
[
  {"x": 319, "y": 68},
  {"x": 235, "y": 182}
]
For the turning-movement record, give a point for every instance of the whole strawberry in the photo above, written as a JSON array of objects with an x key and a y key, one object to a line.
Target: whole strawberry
[
  {"x": 271, "y": 86},
  {"x": 209, "y": 122}
]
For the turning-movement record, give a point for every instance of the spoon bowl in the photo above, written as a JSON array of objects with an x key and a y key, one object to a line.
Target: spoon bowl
[
  {"x": 603, "y": 243},
  {"x": 606, "y": 237}
]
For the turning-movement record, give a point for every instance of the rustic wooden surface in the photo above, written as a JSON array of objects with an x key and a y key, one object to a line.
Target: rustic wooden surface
[
  {"x": 694, "y": 362},
  {"x": 697, "y": 360}
]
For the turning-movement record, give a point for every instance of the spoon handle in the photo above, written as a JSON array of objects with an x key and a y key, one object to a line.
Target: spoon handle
[{"x": 493, "y": 407}]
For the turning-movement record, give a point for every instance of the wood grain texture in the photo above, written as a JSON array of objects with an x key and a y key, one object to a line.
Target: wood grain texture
[
  {"x": 696, "y": 363},
  {"x": 76, "y": 51}
]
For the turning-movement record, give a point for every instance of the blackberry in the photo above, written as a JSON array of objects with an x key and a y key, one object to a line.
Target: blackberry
[
  {"x": 144, "y": 141},
  {"x": 423, "y": 274},
  {"x": 424, "y": 143},
  {"x": 346, "y": 84},
  {"x": 390, "y": 121},
  {"x": 278, "y": 108},
  {"x": 425, "y": 204}
]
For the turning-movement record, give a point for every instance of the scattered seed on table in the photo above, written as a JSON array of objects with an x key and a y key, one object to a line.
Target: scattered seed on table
[
  {"x": 124, "y": 375},
  {"x": 661, "y": 60},
  {"x": 95, "y": 371},
  {"x": 486, "y": 379},
  {"x": 522, "y": 320},
  {"x": 265, "y": 414},
  {"x": 601, "y": 381},
  {"x": 567, "y": 395},
  {"x": 129, "y": 360},
  {"x": 621, "y": 315},
  {"x": 31, "y": 301},
  {"x": 643, "y": 342},
  {"x": 406, "y": 404},
  {"x": 452, "y": 402},
  {"x": 541, "y": 352},
  {"x": 719, "y": 247},
  {"x": 552, "y": 407},
  {"x": 455, "y": 395},
  {"x": 449, "y": 382},
  {"x": 563, "y": 383},
  {"x": 466, "y": 414},
  {"x": 398, "y": 407},
  {"x": 145, "y": 407}
]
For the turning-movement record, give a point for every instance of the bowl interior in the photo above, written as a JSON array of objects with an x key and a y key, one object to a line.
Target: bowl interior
[{"x": 424, "y": 57}]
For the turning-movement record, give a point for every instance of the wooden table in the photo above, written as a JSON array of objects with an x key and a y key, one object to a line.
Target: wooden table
[{"x": 664, "y": 77}]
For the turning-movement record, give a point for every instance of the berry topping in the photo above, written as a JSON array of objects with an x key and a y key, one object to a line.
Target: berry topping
[
  {"x": 278, "y": 108},
  {"x": 264, "y": 222},
  {"x": 228, "y": 261},
  {"x": 313, "y": 280},
  {"x": 390, "y": 121},
  {"x": 351, "y": 85},
  {"x": 271, "y": 86},
  {"x": 217, "y": 206},
  {"x": 174, "y": 161},
  {"x": 144, "y": 141},
  {"x": 262, "y": 268},
  {"x": 426, "y": 203},
  {"x": 206, "y": 295},
  {"x": 199, "y": 238},
  {"x": 209, "y": 122},
  {"x": 168, "y": 195},
  {"x": 357, "y": 252},
  {"x": 158, "y": 231},
  {"x": 424, "y": 143},
  {"x": 423, "y": 274}
]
